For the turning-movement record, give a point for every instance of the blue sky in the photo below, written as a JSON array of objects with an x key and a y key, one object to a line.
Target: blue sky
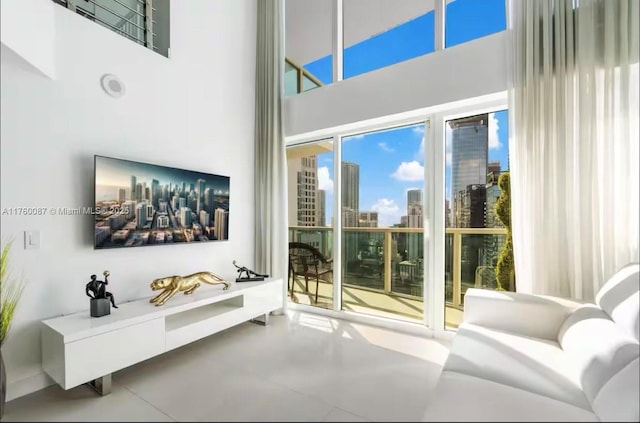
[{"x": 391, "y": 161}]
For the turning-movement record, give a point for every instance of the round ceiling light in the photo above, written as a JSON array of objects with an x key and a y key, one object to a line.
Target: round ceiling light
[{"x": 112, "y": 85}]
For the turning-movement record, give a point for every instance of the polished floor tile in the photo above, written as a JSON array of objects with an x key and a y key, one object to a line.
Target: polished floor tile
[
  {"x": 301, "y": 367},
  {"x": 82, "y": 404},
  {"x": 339, "y": 415}
]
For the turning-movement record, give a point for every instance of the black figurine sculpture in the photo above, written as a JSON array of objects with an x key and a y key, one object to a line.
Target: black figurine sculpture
[
  {"x": 100, "y": 297},
  {"x": 248, "y": 274}
]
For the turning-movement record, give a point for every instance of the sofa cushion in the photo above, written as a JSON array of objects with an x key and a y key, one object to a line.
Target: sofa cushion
[
  {"x": 532, "y": 364},
  {"x": 617, "y": 401},
  {"x": 619, "y": 298},
  {"x": 597, "y": 346},
  {"x": 460, "y": 397}
]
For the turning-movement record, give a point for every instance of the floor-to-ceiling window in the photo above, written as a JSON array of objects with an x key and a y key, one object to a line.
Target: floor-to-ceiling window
[
  {"x": 308, "y": 45},
  {"x": 476, "y": 156},
  {"x": 377, "y": 33},
  {"x": 385, "y": 267},
  {"x": 310, "y": 212},
  {"x": 382, "y": 213},
  {"x": 466, "y": 20}
]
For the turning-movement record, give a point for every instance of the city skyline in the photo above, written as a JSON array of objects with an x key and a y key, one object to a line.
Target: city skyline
[
  {"x": 149, "y": 205},
  {"x": 116, "y": 173},
  {"x": 391, "y": 162},
  {"x": 401, "y": 152}
]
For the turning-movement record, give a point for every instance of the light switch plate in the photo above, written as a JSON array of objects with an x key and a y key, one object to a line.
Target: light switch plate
[{"x": 31, "y": 240}]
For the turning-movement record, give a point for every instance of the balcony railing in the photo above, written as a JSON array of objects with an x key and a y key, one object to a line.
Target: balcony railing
[
  {"x": 391, "y": 260},
  {"x": 132, "y": 19},
  {"x": 298, "y": 79}
]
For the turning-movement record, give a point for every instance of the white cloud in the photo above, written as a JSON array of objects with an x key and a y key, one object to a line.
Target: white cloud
[
  {"x": 385, "y": 147},
  {"x": 419, "y": 129},
  {"x": 324, "y": 179},
  {"x": 409, "y": 171},
  {"x": 494, "y": 140},
  {"x": 388, "y": 212},
  {"x": 354, "y": 137}
]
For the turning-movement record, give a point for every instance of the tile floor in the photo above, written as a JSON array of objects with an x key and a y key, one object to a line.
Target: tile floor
[{"x": 301, "y": 367}]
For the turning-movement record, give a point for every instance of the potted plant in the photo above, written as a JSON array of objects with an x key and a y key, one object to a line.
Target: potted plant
[{"x": 11, "y": 290}]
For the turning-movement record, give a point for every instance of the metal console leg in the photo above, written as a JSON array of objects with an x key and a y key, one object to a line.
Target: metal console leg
[
  {"x": 102, "y": 385},
  {"x": 261, "y": 320}
]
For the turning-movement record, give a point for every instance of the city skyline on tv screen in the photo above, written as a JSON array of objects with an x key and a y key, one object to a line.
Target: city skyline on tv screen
[{"x": 141, "y": 204}]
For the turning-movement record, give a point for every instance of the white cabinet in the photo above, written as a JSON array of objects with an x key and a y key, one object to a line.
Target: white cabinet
[{"x": 77, "y": 348}]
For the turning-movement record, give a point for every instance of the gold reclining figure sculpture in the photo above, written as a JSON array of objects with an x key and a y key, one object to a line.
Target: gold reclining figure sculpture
[{"x": 187, "y": 284}]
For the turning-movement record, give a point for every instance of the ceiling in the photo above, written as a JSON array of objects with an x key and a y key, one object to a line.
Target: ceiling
[
  {"x": 309, "y": 149},
  {"x": 309, "y": 28}
]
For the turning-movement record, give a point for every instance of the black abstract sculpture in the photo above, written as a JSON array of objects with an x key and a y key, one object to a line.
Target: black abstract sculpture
[
  {"x": 249, "y": 275},
  {"x": 101, "y": 299}
]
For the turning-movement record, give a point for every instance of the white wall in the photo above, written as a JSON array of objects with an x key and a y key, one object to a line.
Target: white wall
[
  {"x": 193, "y": 111},
  {"x": 27, "y": 27},
  {"x": 474, "y": 69}
]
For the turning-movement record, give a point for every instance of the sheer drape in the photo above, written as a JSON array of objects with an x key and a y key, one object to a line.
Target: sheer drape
[
  {"x": 270, "y": 162},
  {"x": 574, "y": 142}
]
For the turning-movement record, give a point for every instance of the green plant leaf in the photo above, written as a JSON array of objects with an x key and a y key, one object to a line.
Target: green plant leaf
[{"x": 10, "y": 291}]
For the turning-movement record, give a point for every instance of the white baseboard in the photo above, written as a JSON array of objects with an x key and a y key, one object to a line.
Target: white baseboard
[{"x": 28, "y": 385}]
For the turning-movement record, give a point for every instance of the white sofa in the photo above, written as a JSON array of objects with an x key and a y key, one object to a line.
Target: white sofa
[{"x": 520, "y": 357}]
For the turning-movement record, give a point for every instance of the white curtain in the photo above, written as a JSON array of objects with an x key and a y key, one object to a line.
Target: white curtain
[
  {"x": 573, "y": 142},
  {"x": 270, "y": 162}
]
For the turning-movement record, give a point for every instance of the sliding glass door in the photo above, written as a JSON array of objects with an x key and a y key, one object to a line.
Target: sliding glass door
[
  {"x": 310, "y": 212},
  {"x": 475, "y": 234},
  {"x": 382, "y": 215},
  {"x": 405, "y": 217}
]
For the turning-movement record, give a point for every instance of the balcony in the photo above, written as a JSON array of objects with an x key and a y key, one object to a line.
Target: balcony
[
  {"x": 297, "y": 79},
  {"x": 383, "y": 269},
  {"x": 145, "y": 22}
]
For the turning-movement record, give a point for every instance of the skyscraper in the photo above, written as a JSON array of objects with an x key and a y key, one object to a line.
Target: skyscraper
[
  {"x": 321, "y": 219},
  {"x": 141, "y": 215},
  {"x": 493, "y": 171},
  {"x": 447, "y": 214},
  {"x": 221, "y": 223},
  {"x": 208, "y": 201},
  {"x": 470, "y": 207},
  {"x": 204, "y": 218},
  {"x": 493, "y": 193},
  {"x": 414, "y": 196},
  {"x": 469, "y": 152},
  {"x": 414, "y": 208},
  {"x": 414, "y": 240},
  {"x": 200, "y": 186},
  {"x": 185, "y": 217},
  {"x": 133, "y": 188},
  {"x": 139, "y": 192},
  {"x": 122, "y": 195},
  {"x": 351, "y": 186},
  {"x": 350, "y": 211},
  {"x": 368, "y": 219},
  {"x": 192, "y": 201},
  {"x": 303, "y": 175},
  {"x": 155, "y": 192},
  {"x": 414, "y": 216}
]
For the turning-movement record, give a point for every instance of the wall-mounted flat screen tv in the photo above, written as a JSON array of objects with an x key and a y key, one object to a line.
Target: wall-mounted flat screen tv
[{"x": 138, "y": 204}]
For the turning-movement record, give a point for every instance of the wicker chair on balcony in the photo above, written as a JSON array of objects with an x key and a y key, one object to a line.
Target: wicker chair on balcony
[{"x": 307, "y": 261}]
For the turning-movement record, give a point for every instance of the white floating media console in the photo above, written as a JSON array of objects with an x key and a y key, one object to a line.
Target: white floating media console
[{"x": 78, "y": 348}]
